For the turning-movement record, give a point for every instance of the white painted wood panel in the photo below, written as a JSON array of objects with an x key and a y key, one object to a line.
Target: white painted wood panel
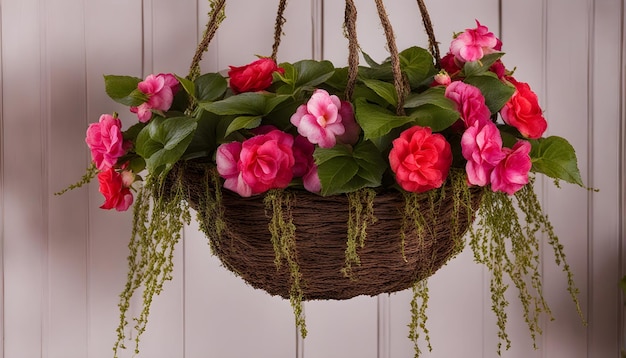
[
  {"x": 64, "y": 259},
  {"x": 24, "y": 232}
]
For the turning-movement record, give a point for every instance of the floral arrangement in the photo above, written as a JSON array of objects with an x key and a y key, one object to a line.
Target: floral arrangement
[{"x": 268, "y": 126}]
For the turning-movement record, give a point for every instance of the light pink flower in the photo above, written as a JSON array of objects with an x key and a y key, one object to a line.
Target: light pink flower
[
  {"x": 320, "y": 120},
  {"x": 443, "y": 78},
  {"x": 115, "y": 189},
  {"x": 105, "y": 141},
  {"x": 160, "y": 90},
  {"x": 258, "y": 164},
  {"x": 511, "y": 173},
  {"x": 470, "y": 102},
  {"x": 420, "y": 159},
  {"x": 481, "y": 146},
  {"x": 473, "y": 44}
]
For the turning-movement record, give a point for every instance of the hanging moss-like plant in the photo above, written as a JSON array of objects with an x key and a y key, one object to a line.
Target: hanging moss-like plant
[
  {"x": 160, "y": 212},
  {"x": 509, "y": 248}
]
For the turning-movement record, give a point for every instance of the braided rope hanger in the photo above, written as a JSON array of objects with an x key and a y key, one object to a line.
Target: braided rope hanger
[{"x": 216, "y": 16}]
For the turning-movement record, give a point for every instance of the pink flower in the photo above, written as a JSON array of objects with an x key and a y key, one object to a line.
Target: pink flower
[
  {"x": 305, "y": 166},
  {"x": 511, "y": 173},
  {"x": 420, "y": 159},
  {"x": 258, "y": 164},
  {"x": 115, "y": 189},
  {"x": 523, "y": 112},
  {"x": 473, "y": 44},
  {"x": 227, "y": 161},
  {"x": 311, "y": 180},
  {"x": 320, "y": 119},
  {"x": 160, "y": 90},
  {"x": 253, "y": 77},
  {"x": 481, "y": 146},
  {"x": 470, "y": 102},
  {"x": 105, "y": 141}
]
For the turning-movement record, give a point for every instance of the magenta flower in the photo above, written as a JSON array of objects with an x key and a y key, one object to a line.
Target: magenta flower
[
  {"x": 481, "y": 146},
  {"x": 305, "y": 166},
  {"x": 352, "y": 129},
  {"x": 258, "y": 164},
  {"x": 470, "y": 102},
  {"x": 473, "y": 44},
  {"x": 160, "y": 90},
  {"x": 105, "y": 141},
  {"x": 511, "y": 173},
  {"x": 320, "y": 119}
]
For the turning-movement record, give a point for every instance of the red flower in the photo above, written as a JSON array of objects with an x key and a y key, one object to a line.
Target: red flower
[
  {"x": 523, "y": 112},
  {"x": 115, "y": 188},
  {"x": 420, "y": 159},
  {"x": 253, "y": 77}
]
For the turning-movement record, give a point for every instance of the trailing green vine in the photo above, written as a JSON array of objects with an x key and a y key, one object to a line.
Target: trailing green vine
[
  {"x": 499, "y": 242},
  {"x": 160, "y": 212},
  {"x": 360, "y": 215},
  {"x": 419, "y": 305},
  {"x": 278, "y": 203}
]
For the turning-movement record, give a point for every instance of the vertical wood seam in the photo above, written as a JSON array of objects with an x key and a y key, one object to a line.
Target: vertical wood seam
[
  {"x": 590, "y": 167},
  {"x": 44, "y": 110},
  {"x": 622, "y": 174},
  {"x": 2, "y": 150}
]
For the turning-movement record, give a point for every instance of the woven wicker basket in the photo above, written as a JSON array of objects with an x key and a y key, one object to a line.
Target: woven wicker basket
[{"x": 386, "y": 263}]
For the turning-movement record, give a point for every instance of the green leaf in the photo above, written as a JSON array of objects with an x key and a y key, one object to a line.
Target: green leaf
[
  {"x": 204, "y": 139},
  {"x": 164, "y": 140},
  {"x": 433, "y": 95},
  {"x": 418, "y": 65},
  {"x": 132, "y": 132},
  {"x": 496, "y": 93},
  {"x": 289, "y": 74},
  {"x": 369, "y": 60},
  {"x": 248, "y": 103},
  {"x": 433, "y": 116},
  {"x": 123, "y": 89},
  {"x": 371, "y": 163},
  {"x": 241, "y": 122},
  {"x": 344, "y": 169},
  {"x": 210, "y": 87},
  {"x": 384, "y": 89},
  {"x": 479, "y": 67},
  {"x": 375, "y": 120},
  {"x": 556, "y": 158},
  {"x": 335, "y": 168},
  {"x": 312, "y": 73},
  {"x": 188, "y": 86}
]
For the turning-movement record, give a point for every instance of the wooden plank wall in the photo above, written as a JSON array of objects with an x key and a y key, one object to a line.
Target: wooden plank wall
[{"x": 64, "y": 259}]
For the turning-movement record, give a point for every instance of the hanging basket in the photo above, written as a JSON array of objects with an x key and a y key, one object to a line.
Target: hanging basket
[{"x": 395, "y": 255}]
